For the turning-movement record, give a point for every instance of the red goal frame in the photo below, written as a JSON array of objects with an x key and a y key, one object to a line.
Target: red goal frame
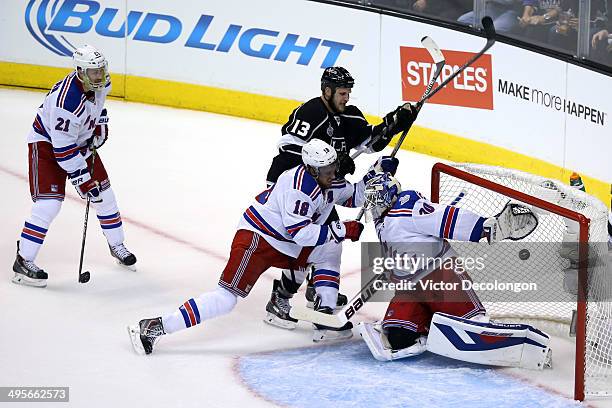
[{"x": 583, "y": 222}]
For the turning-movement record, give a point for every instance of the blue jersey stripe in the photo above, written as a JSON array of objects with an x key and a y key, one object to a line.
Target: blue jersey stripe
[
  {"x": 35, "y": 227},
  {"x": 443, "y": 223},
  {"x": 322, "y": 235}
]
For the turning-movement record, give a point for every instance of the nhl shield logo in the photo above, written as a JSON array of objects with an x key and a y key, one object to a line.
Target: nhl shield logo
[
  {"x": 330, "y": 130},
  {"x": 54, "y": 188}
]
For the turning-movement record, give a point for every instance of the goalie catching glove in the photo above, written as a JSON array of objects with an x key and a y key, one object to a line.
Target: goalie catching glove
[{"x": 514, "y": 222}]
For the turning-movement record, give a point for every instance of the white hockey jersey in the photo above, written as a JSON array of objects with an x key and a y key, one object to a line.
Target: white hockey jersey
[
  {"x": 290, "y": 213},
  {"x": 418, "y": 228},
  {"x": 66, "y": 119}
]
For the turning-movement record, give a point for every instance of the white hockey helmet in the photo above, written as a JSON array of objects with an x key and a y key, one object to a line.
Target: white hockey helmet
[
  {"x": 317, "y": 154},
  {"x": 381, "y": 193},
  {"x": 87, "y": 58}
]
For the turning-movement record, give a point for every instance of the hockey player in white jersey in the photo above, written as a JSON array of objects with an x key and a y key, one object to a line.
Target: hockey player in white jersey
[
  {"x": 70, "y": 125},
  {"x": 409, "y": 224},
  {"x": 283, "y": 229}
]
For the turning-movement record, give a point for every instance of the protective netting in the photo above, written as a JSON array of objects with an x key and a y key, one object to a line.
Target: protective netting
[{"x": 556, "y": 257}]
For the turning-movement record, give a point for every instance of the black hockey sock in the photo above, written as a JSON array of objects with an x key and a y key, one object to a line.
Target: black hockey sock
[{"x": 288, "y": 286}]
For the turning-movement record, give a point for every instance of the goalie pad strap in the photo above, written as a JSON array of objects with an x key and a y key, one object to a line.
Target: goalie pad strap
[{"x": 499, "y": 344}]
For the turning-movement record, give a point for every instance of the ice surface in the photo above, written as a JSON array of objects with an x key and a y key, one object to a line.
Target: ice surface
[{"x": 182, "y": 179}]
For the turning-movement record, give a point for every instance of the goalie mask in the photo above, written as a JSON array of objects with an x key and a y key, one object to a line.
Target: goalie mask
[
  {"x": 381, "y": 193},
  {"x": 91, "y": 68}
]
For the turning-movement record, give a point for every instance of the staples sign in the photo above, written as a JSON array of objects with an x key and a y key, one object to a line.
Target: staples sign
[{"x": 472, "y": 88}]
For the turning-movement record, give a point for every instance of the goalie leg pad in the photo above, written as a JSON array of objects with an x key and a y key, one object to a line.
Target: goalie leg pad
[{"x": 508, "y": 345}]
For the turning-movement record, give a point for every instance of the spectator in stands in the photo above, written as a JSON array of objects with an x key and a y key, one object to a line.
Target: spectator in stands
[
  {"x": 444, "y": 9},
  {"x": 538, "y": 17},
  {"x": 504, "y": 13},
  {"x": 602, "y": 45},
  {"x": 565, "y": 32}
]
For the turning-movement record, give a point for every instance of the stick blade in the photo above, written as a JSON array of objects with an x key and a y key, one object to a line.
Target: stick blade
[
  {"x": 433, "y": 49},
  {"x": 84, "y": 277},
  {"x": 489, "y": 28},
  {"x": 310, "y": 315}
]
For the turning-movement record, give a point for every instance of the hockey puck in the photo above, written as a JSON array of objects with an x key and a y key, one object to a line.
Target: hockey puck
[
  {"x": 524, "y": 254},
  {"x": 84, "y": 277}
]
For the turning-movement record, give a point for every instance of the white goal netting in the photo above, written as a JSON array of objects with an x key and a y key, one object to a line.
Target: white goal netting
[{"x": 552, "y": 262}]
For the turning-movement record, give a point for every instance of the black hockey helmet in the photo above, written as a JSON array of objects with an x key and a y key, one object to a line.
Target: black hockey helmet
[{"x": 336, "y": 77}]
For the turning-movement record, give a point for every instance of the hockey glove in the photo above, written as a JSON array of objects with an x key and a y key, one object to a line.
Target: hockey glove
[
  {"x": 100, "y": 133},
  {"x": 85, "y": 186},
  {"x": 404, "y": 116},
  {"x": 394, "y": 122},
  {"x": 346, "y": 165},
  {"x": 346, "y": 229},
  {"x": 386, "y": 164},
  {"x": 514, "y": 222}
]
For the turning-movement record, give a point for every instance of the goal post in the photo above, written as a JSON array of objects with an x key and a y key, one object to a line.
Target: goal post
[{"x": 485, "y": 190}]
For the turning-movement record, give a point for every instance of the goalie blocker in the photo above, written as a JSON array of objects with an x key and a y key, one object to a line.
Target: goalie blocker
[{"x": 498, "y": 344}]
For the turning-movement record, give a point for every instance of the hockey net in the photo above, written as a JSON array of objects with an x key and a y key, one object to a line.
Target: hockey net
[{"x": 562, "y": 211}]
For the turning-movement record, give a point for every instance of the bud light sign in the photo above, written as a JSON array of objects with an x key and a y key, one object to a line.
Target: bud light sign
[{"x": 49, "y": 22}]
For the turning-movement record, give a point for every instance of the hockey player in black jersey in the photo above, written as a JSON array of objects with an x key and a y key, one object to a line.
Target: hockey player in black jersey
[{"x": 327, "y": 117}]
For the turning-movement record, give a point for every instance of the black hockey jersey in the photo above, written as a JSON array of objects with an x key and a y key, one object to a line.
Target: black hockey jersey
[{"x": 344, "y": 131}]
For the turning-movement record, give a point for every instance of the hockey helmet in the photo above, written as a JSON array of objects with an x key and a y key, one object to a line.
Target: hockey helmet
[
  {"x": 319, "y": 156},
  {"x": 336, "y": 77},
  {"x": 88, "y": 58}
]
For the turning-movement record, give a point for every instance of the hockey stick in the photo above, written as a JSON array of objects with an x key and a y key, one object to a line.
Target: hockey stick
[
  {"x": 84, "y": 276},
  {"x": 438, "y": 59},
  {"x": 489, "y": 30},
  {"x": 303, "y": 313},
  {"x": 366, "y": 292}
]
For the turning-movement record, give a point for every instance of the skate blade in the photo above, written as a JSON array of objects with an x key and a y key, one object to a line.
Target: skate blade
[
  {"x": 24, "y": 280},
  {"x": 134, "y": 332},
  {"x": 128, "y": 267},
  {"x": 320, "y": 336},
  {"x": 275, "y": 321}
]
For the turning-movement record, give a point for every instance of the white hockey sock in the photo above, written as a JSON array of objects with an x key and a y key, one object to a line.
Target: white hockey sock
[
  {"x": 35, "y": 227},
  {"x": 109, "y": 217},
  {"x": 326, "y": 283},
  {"x": 205, "y": 307}
]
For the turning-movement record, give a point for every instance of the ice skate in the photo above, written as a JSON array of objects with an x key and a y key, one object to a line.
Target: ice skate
[
  {"x": 27, "y": 273},
  {"x": 278, "y": 309},
  {"x": 124, "y": 257},
  {"x": 145, "y": 334},
  {"x": 310, "y": 295},
  {"x": 325, "y": 333}
]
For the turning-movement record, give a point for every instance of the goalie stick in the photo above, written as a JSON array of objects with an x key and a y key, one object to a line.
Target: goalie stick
[{"x": 489, "y": 30}]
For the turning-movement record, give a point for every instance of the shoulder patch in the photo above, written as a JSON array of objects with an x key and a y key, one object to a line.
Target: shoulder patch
[{"x": 407, "y": 199}]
